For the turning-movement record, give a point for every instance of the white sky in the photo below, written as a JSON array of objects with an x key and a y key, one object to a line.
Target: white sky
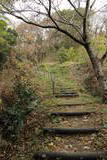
[{"x": 98, "y": 4}]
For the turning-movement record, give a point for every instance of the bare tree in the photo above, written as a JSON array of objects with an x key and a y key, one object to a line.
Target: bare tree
[{"x": 36, "y": 11}]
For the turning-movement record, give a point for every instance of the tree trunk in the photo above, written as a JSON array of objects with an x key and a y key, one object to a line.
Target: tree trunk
[{"x": 97, "y": 67}]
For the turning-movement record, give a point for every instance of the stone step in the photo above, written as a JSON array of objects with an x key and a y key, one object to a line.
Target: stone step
[
  {"x": 71, "y": 113},
  {"x": 69, "y": 131},
  {"x": 70, "y": 156}
]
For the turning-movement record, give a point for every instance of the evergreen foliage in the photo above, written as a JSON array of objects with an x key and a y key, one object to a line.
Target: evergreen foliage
[{"x": 8, "y": 39}]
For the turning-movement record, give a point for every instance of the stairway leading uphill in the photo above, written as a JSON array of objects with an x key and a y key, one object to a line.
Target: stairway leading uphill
[{"x": 77, "y": 129}]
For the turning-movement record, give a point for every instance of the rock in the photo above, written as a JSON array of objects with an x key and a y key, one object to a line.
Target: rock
[{"x": 86, "y": 147}]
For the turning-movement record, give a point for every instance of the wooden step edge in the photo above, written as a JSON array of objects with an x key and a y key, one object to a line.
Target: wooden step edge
[
  {"x": 62, "y": 92},
  {"x": 66, "y": 95},
  {"x": 78, "y": 104},
  {"x": 70, "y": 156},
  {"x": 69, "y": 131},
  {"x": 67, "y": 88},
  {"x": 71, "y": 113}
]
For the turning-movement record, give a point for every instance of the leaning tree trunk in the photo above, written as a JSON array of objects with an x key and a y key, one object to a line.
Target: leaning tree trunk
[{"x": 97, "y": 67}]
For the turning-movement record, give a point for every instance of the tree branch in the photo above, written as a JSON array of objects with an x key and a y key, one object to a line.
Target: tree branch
[
  {"x": 85, "y": 20},
  {"x": 54, "y": 26},
  {"x": 50, "y": 16},
  {"x": 65, "y": 21},
  {"x": 76, "y": 28},
  {"x": 92, "y": 4},
  {"x": 30, "y": 22},
  {"x": 72, "y": 37},
  {"x": 103, "y": 58},
  {"x": 75, "y": 8}
]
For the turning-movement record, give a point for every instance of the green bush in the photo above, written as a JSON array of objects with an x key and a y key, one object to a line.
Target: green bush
[
  {"x": 25, "y": 94},
  {"x": 12, "y": 122},
  {"x": 67, "y": 55},
  {"x": 72, "y": 54},
  {"x": 4, "y": 49},
  {"x": 18, "y": 105},
  {"x": 8, "y": 38},
  {"x": 63, "y": 55}
]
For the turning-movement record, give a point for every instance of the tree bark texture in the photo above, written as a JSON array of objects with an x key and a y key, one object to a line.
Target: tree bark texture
[{"x": 97, "y": 67}]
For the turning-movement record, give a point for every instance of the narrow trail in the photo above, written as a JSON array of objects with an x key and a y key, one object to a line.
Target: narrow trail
[
  {"x": 72, "y": 133},
  {"x": 72, "y": 120}
]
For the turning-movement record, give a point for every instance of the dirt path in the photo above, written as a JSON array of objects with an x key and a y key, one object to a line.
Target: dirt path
[
  {"x": 73, "y": 143},
  {"x": 33, "y": 141}
]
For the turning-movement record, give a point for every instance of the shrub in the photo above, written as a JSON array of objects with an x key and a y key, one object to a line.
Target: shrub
[
  {"x": 18, "y": 105},
  {"x": 4, "y": 49},
  {"x": 8, "y": 38},
  {"x": 63, "y": 55},
  {"x": 72, "y": 54},
  {"x": 25, "y": 94}
]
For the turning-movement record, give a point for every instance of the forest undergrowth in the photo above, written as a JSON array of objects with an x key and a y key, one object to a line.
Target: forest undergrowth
[{"x": 29, "y": 138}]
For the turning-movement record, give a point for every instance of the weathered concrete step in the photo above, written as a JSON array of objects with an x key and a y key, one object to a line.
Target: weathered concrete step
[
  {"x": 71, "y": 113},
  {"x": 70, "y": 156},
  {"x": 69, "y": 131},
  {"x": 66, "y": 95}
]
